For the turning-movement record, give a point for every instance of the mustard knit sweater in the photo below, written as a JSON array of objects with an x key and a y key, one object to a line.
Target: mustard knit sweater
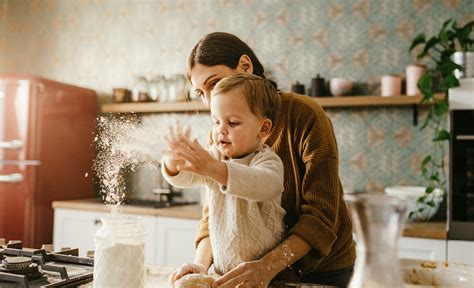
[{"x": 304, "y": 139}]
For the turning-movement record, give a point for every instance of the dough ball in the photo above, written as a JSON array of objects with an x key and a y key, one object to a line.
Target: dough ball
[{"x": 194, "y": 281}]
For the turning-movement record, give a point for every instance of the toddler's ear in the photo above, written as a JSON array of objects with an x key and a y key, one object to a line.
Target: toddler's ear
[{"x": 265, "y": 128}]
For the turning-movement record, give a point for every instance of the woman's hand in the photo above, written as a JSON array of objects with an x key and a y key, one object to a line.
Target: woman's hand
[
  {"x": 186, "y": 268},
  {"x": 246, "y": 275}
]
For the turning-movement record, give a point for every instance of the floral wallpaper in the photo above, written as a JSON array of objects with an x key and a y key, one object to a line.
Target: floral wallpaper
[{"x": 102, "y": 44}]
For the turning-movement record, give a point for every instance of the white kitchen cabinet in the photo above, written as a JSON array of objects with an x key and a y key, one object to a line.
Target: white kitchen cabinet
[
  {"x": 77, "y": 228},
  {"x": 175, "y": 240},
  {"x": 422, "y": 248},
  {"x": 461, "y": 252},
  {"x": 170, "y": 241}
]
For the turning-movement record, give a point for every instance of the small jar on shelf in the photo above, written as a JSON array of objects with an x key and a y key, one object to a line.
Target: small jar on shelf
[{"x": 140, "y": 89}]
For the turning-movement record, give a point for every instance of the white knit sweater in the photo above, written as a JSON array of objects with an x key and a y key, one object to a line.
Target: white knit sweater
[{"x": 245, "y": 217}]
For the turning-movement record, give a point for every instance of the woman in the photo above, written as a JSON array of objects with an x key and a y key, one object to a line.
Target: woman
[{"x": 319, "y": 247}]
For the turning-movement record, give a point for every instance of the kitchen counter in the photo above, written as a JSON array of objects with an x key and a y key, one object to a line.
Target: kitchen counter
[
  {"x": 156, "y": 277},
  {"x": 431, "y": 230},
  {"x": 96, "y": 205}
]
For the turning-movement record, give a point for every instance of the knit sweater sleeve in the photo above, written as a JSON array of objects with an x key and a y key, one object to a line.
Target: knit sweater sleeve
[
  {"x": 262, "y": 180},
  {"x": 183, "y": 179},
  {"x": 320, "y": 189}
]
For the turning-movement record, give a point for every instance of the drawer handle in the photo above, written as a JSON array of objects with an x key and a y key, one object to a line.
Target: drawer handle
[
  {"x": 14, "y": 144},
  {"x": 97, "y": 222},
  {"x": 464, "y": 137},
  {"x": 12, "y": 178}
]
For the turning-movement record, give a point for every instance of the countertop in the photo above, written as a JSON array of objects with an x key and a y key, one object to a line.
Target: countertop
[
  {"x": 431, "y": 230},
  {"x": 156, "y": 277},
  {"x": 96, "y": 205}
]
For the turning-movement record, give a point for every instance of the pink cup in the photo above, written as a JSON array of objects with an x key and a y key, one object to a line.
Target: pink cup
[
  {"x": 391, "y": 85},
  {"x": 413, "y": 74}
]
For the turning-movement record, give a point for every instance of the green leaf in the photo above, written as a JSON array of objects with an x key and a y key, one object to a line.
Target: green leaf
[
  {"x": 441, "y": 135},
  {"x": 421, "y": 209},
  {"x": 419, "y": 39},
  {"x": 431, "y": 203},
  {"x": 447, "y": 66},
  {"x": 443, "y": 32},
  {"x": 410, "y": 215},
  {"x": 463, "y": 36},
  {"x": 430, "y": 44},
  {"x": 429, "y": 189},
  {"x": 446, "y": 24},
  {"x": 425, "y": 84},
  {"x": 449, "y": 82},
  {"x": 427, "y": 120},
  {"x": 421, "y": 199},
  {"x": 440, "y": 108},
  {"x": 428, "y": 97},
  {"x": 434, "y": 177},
  {"x": 425, "y": 161}
]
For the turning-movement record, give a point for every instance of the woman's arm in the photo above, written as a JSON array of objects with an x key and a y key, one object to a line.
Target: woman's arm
[{"x": 259, "y": 273}]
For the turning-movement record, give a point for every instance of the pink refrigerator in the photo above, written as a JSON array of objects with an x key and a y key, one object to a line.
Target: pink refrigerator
[{"x": 47, "y": 131}]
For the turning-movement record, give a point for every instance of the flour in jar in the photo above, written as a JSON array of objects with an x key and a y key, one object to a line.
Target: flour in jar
[{"x": 120, "y": 266}]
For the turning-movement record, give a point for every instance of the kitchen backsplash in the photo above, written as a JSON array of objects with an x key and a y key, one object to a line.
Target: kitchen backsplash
[{"x": 102, "y": 44}]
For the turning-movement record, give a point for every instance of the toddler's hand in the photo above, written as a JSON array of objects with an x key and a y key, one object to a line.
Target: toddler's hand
[
  {"x": 186, "y": 268},
  {"x": 173, "y": 138}
]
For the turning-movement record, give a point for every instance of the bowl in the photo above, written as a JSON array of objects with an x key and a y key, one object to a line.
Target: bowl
[
  {"x": 340, "y": 86},
  {"x": 426, "y": 273},
  {"x": 417, "y": 211}
]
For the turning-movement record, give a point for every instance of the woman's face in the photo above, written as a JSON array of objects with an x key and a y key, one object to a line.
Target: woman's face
[{"x": 204, "y": 78}]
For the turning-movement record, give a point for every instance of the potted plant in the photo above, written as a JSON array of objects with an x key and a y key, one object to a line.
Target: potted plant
[{"x": 439, "y": 79}]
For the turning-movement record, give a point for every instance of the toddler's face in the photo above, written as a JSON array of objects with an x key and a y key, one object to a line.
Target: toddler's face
[{"x": 236, "y": 130}]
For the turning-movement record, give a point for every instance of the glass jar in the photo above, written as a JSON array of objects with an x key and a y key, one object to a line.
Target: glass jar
[
  {"x": 158, "y": 88},
  {"x": 140, "y": 89},
  {"x": 177, "y": 88},
  {"x": 119, "y": 259},
  {"x": 378, "y": 221}
]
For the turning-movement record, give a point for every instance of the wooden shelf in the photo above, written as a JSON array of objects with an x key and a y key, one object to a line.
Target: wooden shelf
[
  {"x": 153, "y": 107},
  {"x": 361, "y": 101},
  {"x": 193, "y": 106}
]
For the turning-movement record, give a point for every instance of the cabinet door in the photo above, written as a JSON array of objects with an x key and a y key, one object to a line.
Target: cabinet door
[
  {"x": 77, "y": 228},
  {"x": 175, "y": 240},
  {"x": 461, "y": 252},
  {"x": 422, "y": 248}
]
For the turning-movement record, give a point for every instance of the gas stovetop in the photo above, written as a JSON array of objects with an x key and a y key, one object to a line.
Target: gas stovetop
[{"x": 26, "y": 267}]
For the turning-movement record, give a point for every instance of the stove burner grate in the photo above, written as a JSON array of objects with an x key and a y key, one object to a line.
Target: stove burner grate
[
  {"x": 28, "y": 268},
  {"x": 16, "y": 263},
  {"x": 31, "y": 272}
]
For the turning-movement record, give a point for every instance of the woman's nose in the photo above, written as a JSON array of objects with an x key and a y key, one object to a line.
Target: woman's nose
[{"x": 206, "y": 97}]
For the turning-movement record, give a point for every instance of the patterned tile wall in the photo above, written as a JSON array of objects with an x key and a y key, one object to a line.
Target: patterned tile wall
[{"x": 102, "y": 44}]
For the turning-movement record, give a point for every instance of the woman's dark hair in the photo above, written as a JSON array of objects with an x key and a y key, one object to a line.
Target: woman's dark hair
[{"x": 220, "y": 48}]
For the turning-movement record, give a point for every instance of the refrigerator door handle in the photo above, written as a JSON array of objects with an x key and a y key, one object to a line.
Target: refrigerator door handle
[
  {"x": 11, "y": 178},
  {"x": 14, "y": 144}
]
